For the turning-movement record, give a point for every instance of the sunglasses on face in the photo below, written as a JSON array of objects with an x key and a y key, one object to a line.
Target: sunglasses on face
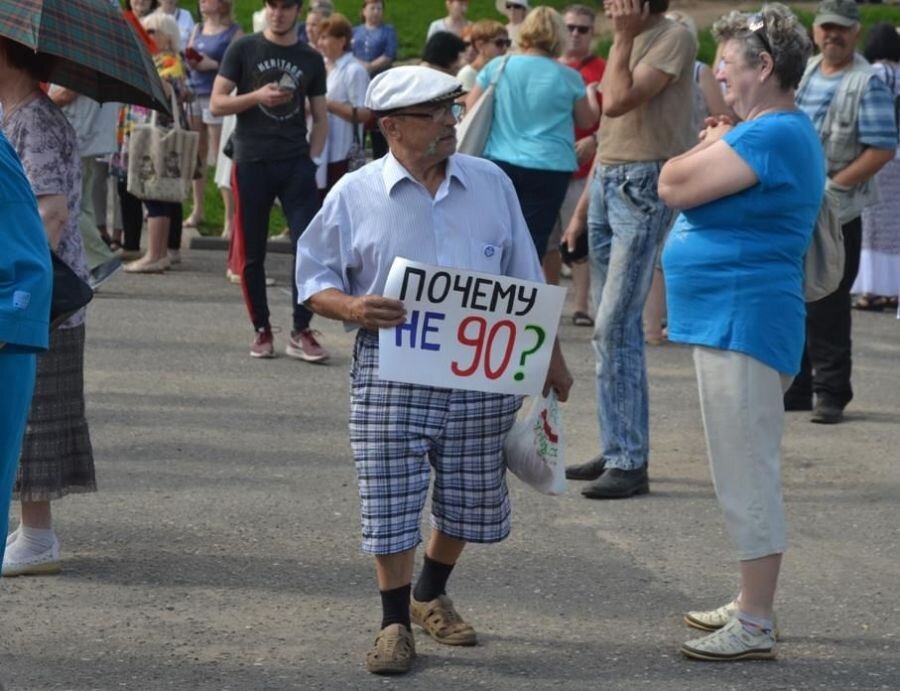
[
  {"x": 502, "y": 43},
  {"x": 757, "y": 26},
  {"x": 514, "y": 6},
  {"x": 579, "y": 28},
  {"x": 438, "y": 114}
]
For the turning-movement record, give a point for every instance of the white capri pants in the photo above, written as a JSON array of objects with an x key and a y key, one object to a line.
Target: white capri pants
[{"x": 743, "y": 416}]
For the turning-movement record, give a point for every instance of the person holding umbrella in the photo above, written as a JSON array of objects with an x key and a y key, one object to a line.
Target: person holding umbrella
[{"x": 57, "y": 457}]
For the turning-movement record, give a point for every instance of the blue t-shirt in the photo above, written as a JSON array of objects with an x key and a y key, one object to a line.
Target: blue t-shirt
[
  {"x": 533, "y": 125},
  {"x": 734, "y": 266},
  {"x": 26, "y": 277}
]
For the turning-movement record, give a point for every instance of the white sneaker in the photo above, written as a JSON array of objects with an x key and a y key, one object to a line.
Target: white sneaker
[
  {"x": 45, "y": 563},
  {"x": 731, "y": 642},
  {"x": 711, "y": 620},
  {"x": 715, "y": 619}
]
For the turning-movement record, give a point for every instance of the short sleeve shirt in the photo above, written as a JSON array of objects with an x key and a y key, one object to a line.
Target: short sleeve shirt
[
  {"x": 533, "y": 125},
  {"x": 25, "y": 275},
  {"x": 662, "y": 127},
  {"x": 734, "y": 266},
  {"x": 369, "y": 44},
  {"x": 876, "y": 125},
  {"x": 264, "y": 133},
  {"x": 48, "y": 149}
]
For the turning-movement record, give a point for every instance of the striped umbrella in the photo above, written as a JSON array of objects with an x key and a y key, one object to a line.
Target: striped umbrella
[{"x": 98, "y": 53}]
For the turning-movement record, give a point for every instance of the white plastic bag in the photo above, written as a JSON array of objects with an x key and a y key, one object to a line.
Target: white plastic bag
[{"x": 534, "y": 447}]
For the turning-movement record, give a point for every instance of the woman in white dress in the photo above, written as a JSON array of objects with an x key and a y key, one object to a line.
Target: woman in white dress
[{"x": 878, "y": 280}]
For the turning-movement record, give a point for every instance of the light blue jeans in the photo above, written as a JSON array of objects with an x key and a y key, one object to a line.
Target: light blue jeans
[{"x": 626, "y": 223}]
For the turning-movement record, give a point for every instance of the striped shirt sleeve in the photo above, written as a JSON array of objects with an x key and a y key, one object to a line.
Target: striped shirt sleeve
[{"x": 877, "y": 123}]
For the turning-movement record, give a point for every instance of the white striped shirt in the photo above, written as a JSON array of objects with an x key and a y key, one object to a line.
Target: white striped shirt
[{"x": 380, "y": 212}]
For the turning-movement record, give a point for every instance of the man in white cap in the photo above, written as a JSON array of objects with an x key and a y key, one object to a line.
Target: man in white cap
[{"x": 425, "y": 203}]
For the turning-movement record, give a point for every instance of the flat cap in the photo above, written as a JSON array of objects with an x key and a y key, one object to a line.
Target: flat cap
[
  {"x": 410, "y": 85},
  {"x": 840, "y": 12}
]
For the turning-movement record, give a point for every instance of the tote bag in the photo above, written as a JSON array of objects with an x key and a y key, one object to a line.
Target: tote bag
[
  {"x": 472, "y": 133},
  {"x": 161, "y": 160}
]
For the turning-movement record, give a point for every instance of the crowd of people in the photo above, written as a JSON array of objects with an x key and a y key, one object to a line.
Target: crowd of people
[{"x": 682, "y": 197}]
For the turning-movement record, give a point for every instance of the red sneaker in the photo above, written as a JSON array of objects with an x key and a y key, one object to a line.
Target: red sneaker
[
  {"x": 263, "y": 344},
  {"x": 304, "y": 345}
]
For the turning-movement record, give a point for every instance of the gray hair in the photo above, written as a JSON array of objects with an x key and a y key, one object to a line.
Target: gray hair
[{"x": 788, "y": 38}]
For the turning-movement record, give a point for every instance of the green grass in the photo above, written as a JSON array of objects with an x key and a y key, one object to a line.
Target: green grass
[{"x": 411, "y": 19}]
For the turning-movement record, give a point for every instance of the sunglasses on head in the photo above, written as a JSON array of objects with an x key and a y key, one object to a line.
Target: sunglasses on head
[
  {"x": 579, "y": 28},
  {"x": 757, "y": 26}
]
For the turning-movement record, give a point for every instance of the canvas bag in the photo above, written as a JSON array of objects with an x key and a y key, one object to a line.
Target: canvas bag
[
  {"x": 472, "y": 133},
  {"x": 161, "y": 160},
  {"x": 533, "y": 449},
  {"x": 824, "y": 262}
]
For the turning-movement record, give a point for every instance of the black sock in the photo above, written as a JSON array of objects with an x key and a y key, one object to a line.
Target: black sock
[
  {"x": 395, "y": 606},
  {"x": 433, "y": 580}
]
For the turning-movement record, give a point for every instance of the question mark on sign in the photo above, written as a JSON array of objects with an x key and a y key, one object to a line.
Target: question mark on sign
[{"x": 519, "y": 376}]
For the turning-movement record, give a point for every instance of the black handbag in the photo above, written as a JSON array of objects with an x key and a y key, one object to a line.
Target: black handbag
[{"x": 70, "y": 293}]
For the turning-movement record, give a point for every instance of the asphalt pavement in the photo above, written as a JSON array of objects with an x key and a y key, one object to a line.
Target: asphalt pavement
[{"x": 222, "y": 550}]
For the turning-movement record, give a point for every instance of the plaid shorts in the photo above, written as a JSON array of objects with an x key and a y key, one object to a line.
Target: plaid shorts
[{"x": 398, "y": 431}]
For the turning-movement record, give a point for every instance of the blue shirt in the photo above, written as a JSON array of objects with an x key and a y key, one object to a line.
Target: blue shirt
[
  {"x": 380, "y": 212},
  {"x": 26, "y": 276},
  {"x": 533, "y": 124},
  {"x": 734, "y": 266},
  {"x": 369, "y": 44},
  {"x": 876, "y": 125}
]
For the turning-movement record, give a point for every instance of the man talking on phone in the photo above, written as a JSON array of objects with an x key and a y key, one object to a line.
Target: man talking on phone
[
  {"x": 274, "y": 74},
  {"x": 647, "y": 95}
]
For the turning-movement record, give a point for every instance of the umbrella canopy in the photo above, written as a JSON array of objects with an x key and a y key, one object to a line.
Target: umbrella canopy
[{"x": 98, "y": 53}]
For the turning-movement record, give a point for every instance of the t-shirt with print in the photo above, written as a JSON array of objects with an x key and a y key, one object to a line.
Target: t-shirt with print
[
  {"x": 661, "y": 127},
  {"x": 48, "y": 148},
  {"x": 264, "y": 133}
]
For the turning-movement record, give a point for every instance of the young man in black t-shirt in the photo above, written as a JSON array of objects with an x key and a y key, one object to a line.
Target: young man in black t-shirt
[{"x": 274, "y": 74}]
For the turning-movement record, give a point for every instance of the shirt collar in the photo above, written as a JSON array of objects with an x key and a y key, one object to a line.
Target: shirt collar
[{"x": 393, "y": 172}]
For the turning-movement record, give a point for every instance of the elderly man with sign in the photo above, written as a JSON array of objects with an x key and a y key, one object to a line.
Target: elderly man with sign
[{"x": 427, "y": 204}]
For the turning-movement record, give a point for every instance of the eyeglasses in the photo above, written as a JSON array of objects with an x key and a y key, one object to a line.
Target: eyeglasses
[
  {"x": 150, "y": 32},
  {"x": 757, "y": 26},
  {"x": 514, "y": 6},
  {"x": 453, "y": 109},
  {"x": 579, "y": 28},
  {"x": 502, "y": 42}
]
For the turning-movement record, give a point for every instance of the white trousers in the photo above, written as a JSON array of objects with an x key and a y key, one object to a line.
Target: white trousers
[{"x": 743, "y": 416}]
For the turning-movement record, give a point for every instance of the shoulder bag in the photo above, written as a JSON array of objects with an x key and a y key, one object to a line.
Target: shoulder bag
[
  {"x": 472, "y": 133},
  {"x": 162, "y": 160}
]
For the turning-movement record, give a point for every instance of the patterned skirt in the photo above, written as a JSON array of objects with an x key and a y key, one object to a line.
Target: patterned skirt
[{"x": 57, "y": 458}]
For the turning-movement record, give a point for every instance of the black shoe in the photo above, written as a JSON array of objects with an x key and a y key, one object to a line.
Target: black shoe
[
  {"x": 616, "y": 483},
  {"x": 796, "y": 402},
  {"x": 827, "y": 414},
  {"x": 586, "y": 471}
]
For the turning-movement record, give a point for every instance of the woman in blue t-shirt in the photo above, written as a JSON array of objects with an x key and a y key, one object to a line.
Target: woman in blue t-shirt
[
  {"x": 537, "y": 104},
  {"x": 750, "y": 196}
]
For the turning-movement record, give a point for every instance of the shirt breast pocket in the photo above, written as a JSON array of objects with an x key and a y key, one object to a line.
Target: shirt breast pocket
[{"x": 486, "y": 257}]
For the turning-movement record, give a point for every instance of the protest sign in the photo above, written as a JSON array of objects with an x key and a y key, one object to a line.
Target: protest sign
[{"x": 467, "y": 330}]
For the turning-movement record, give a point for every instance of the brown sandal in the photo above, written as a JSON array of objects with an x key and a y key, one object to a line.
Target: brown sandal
[
  {"x": 394, "y": 651},
  {"x": 442, "y": 622}
]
